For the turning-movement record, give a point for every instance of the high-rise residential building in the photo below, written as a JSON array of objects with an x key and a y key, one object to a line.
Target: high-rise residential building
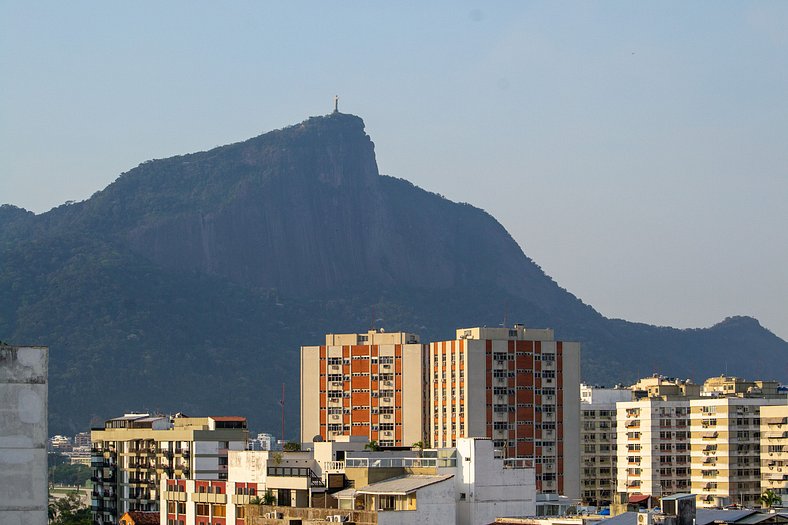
[
  {"x": 653, "y": 437},
  {"x": 517, "y": 386},
  {"x": 726, "y": 442},
  {"x": 774, "y": 450},
  {"x": 369, "y": 385},
  {"x": 132, "y": 453},
  {"x": 598, "y": 441},
  {"x": 23, "y": 433}
]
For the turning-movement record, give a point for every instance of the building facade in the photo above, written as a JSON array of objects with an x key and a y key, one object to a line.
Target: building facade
[
  {"x": 774, "y": 450},
  {"x": 368, "y": 385},
  {"x": 132, "y": 454},
  {"x": 23, "y": 434},
  {"x": 516, "y": 386},
  {"x": 598, "y": 442},
  {"x": 653, "y": 446},
  {"x": 726, "y": 449}
]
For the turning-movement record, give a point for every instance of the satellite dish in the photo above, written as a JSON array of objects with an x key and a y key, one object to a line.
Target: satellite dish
[{"x": 317, "y": 439}]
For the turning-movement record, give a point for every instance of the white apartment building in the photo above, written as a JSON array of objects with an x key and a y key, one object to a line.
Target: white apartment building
[
  {"x": 653, "y": 446},
  {"x": 598, "y": 441},
  {"x": 725, "y": 444},
  {"x": 774, "y": 450},
  {"x": 516, "y": 386}
]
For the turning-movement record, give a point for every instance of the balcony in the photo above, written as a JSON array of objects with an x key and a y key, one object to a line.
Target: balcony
[{"x": 103, "y": 480}]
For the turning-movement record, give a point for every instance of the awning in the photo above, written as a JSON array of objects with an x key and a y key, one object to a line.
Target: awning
[{"x": 638, "y": 498}]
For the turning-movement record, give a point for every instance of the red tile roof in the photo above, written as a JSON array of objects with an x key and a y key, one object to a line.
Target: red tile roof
[{"x": 142, "y": 518}]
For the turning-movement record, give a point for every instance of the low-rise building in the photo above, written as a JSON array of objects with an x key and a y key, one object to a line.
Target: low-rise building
[{"x": 468, "y": 485}]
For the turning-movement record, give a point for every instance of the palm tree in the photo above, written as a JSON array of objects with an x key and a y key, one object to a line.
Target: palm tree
[
  {"x": 372, "y": 446},
  {"x": 769, "y": 499}
]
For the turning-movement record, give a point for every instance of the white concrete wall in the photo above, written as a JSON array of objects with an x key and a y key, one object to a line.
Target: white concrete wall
[
  {"x": 490, "y": 490},
  {"x": 247, "y": 465},
  {"x": 23, "y": 435},
  {"x": 604, "y": 397}
]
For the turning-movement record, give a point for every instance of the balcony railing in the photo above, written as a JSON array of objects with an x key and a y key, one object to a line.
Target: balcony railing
[{"x": 399, "y": 462}]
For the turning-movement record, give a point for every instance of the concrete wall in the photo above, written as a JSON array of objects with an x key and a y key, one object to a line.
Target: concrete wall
[
  {"x": 475, "y": 389},
  {"x": 413, "y": 377},
  {"x": 490, "y": 490},
  {"x": 23, "y": 435}
]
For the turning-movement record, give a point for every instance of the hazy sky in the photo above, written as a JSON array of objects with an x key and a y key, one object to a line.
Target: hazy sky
[{"x": 637, "y": 151}]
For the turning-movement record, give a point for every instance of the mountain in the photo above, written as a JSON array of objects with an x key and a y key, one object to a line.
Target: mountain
[{"x": 190, "y": 283}]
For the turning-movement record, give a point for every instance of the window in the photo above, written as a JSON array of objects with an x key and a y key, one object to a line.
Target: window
[
  {"x": 387, "y": 502},
  {"x": 203, "y": 509},
  {"x": 219, "y": 511}
]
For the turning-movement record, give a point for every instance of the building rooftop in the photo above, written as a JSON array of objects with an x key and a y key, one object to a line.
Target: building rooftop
[{"x": 402, "y": 485}]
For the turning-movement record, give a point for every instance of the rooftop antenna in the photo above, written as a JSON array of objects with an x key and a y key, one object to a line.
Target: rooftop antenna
[
  {"x": 336, "y": 103},
  {"x": 372, "y": 324},
  {"x": 282, "y": 404}
]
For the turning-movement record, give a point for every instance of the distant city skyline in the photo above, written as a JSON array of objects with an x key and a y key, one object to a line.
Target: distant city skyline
[{"x": 636, "y": 152}]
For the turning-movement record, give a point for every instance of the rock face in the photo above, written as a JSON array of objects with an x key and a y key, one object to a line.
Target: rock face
[{"x": 189, "y": 283}]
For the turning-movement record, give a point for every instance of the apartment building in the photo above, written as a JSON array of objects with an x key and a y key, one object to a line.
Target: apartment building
[
  {"x": 726, "y": 442},
  {"x": 774, "y": 450},
  {"x": 598, "y": 441},
  {"x": 131, "y": 454},
  {"x": 368, "y": 385},
  {"x": 653, "y": 437},
  {"x": 516, "y": 386}
]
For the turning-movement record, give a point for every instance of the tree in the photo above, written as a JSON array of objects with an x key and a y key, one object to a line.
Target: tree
[
  {"x": 69, "y": 510},
  {"x": 268, "y": 498},
  {"x": 291, "y": 446},
  {"x": 372, "y": 446},
  {"x": 70, "y": 474},
  {"x": 769, "y": 499}
]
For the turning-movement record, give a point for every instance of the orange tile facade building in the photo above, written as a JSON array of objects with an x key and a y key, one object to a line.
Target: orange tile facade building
[{"x": 368, "y": 385}]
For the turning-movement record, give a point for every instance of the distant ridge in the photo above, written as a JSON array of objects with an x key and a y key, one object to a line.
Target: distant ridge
[{"x": 189, "y": 283}]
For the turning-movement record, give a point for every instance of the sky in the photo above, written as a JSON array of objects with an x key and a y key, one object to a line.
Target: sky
[{"x": 637, "y": 151}]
